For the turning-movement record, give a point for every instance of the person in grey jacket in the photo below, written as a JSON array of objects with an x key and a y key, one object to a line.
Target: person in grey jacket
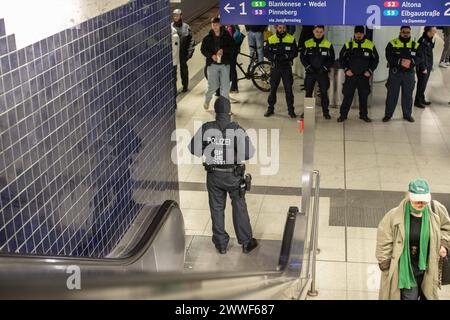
[{"x": 187, "y": 45}]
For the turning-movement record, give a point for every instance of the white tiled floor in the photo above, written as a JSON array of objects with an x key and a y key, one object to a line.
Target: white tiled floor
[{"x": 356, "y": 155}]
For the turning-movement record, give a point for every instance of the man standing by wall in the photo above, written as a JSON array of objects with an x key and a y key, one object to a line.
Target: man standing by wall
[
  {"x": 423, "y": 70},
  {"x": 255, "y": 39},
  {"x": 403, "y": 56},
  {"x": 318, "y": 57},
  {"x": 281, "y": 49},
  {"x": 218, "y": 48},
  {"x": 187, "y": 45},
  {"x": 359, "y": 59}
]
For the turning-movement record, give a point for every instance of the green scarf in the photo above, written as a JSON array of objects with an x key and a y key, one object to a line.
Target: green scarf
[{"x": 406, "y": 279}]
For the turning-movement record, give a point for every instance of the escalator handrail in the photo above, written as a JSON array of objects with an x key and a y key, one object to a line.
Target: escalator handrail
[{"x": 134, "y": 254}]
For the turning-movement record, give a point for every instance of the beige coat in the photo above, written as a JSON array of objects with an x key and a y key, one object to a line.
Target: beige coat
[{"x": 390, "y": 235}]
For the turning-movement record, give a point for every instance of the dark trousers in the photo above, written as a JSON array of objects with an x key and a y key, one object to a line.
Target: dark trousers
[
  {"x": 361, "y": 83},
  {"x": 413, "y": 293},
  {"x": 184, "y": 72},
  {"x": 233, "y": 71},
  {"x": 175, "y": 79},
  {"x": 276, "y": 75},
  {"x": 324, "y": 84},
  {"x": 219, "y": 184},
  {"x": 405, "y": 81},
  {"x": 422, "y": 81}
]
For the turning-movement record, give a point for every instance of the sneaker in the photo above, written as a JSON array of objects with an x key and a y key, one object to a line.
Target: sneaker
[
  {"x": 386, "y": 119},
  {"x": 425, "y": 102},
  {"x": 252, "y": 244},
  {"x": 365, "y": 118},
  {"x": 292, "y": 115},
  {"x": 409, "y": 119},
  {"x": 234, "y": 91},
  {"x": 185, "y": 89},
  {"x": 448, "y": 63},
  {"x": 341, "y": 119},
  {"x": 327, "y": 116},
  {"x": 206, "y": 105},
  {"x": 443, "y": 64},
  {"x": 268, "y": 113}
]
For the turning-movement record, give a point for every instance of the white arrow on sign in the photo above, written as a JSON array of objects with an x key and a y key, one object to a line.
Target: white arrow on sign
[{"x": 227, "y": 8}]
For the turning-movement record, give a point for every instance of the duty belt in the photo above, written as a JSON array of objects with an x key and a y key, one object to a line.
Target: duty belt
[{"x": 222, "y": 169}]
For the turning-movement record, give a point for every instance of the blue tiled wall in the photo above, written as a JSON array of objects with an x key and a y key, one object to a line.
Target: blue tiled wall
[{"x": 86, "y": 117}]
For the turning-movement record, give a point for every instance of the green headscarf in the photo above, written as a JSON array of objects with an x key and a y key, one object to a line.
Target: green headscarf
[{"x": 406, "y": 279}]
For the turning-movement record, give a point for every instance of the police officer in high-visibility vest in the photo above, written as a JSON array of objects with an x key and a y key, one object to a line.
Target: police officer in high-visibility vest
[
  {"x": 318, "y": 57},
  {"x": 281, "y": 49},
  {"x": 402, "y": 56},
  {"x": 359, "y": 59}
]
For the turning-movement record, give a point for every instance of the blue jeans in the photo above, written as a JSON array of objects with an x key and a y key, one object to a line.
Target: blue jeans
[
  {"x": 256, "y": 39},
  {"x": 218, "y": 77}
]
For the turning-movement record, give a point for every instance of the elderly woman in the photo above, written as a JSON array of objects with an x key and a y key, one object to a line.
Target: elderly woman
[{"x": 410, "y": 241}]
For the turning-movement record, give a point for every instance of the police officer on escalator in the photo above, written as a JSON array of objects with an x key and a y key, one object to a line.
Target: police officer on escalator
[
  {"x": 403, "y": 56},
  {"x": 224, "y": 146},
  {"x": 359, "y": 59},
  {"x": 281, "y": 49}
]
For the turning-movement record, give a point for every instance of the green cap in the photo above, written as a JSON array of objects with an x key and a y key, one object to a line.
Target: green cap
[{"x": 419, "y": 190}]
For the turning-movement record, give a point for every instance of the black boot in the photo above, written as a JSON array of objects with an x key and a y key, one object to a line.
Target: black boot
[
  {"x": 365, "y": 118},
  {"x": 252, "y": 244},
  {"x": 409, "y": 119}
]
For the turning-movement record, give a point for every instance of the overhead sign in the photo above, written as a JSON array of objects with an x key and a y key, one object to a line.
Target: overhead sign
[{"x": 336, "y": 12}]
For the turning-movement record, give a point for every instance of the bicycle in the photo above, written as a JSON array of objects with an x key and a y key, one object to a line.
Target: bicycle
[{"x": 258, "y": 72}]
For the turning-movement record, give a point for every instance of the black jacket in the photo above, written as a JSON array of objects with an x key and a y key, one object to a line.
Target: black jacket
[
  {"x": 359, "y": 57},
  {"x": 426, "y": 46},
  {"x": 395, "y": 54},
  {"x": 255, "y": 28},
  {"x": 222, "y": 142},
  {"x": 315, "y": 57},
  {"x": 281, "y": 51},
  {"x": 211, "y": 44}
]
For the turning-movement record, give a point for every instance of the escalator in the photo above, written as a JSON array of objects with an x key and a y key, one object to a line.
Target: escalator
[
  {"x": 31, "y": 277},
  {"x": 153, "y": 266}
]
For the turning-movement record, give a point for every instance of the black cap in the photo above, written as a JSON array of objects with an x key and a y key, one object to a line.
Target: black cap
[
  {"x": 405, "y": 27},
  {"x": 222, "y": 105},
  {"x": 319, "y": 26},
  {"x": 360, "y": 29}
]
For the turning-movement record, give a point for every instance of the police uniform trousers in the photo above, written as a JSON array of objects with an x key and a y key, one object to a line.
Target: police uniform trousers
[
  {"x": 422, "y": 81},
  {"x": 324, "y": 84},
  {"x": 361, "y": 83},
  {"x": 406, "y": 81},
  {"x": 219, "y": 184},
  {"x": 276, "y": 75}
]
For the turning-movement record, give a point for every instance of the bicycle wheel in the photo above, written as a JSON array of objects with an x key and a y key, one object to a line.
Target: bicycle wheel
[{"x": 261, "y": 75}]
